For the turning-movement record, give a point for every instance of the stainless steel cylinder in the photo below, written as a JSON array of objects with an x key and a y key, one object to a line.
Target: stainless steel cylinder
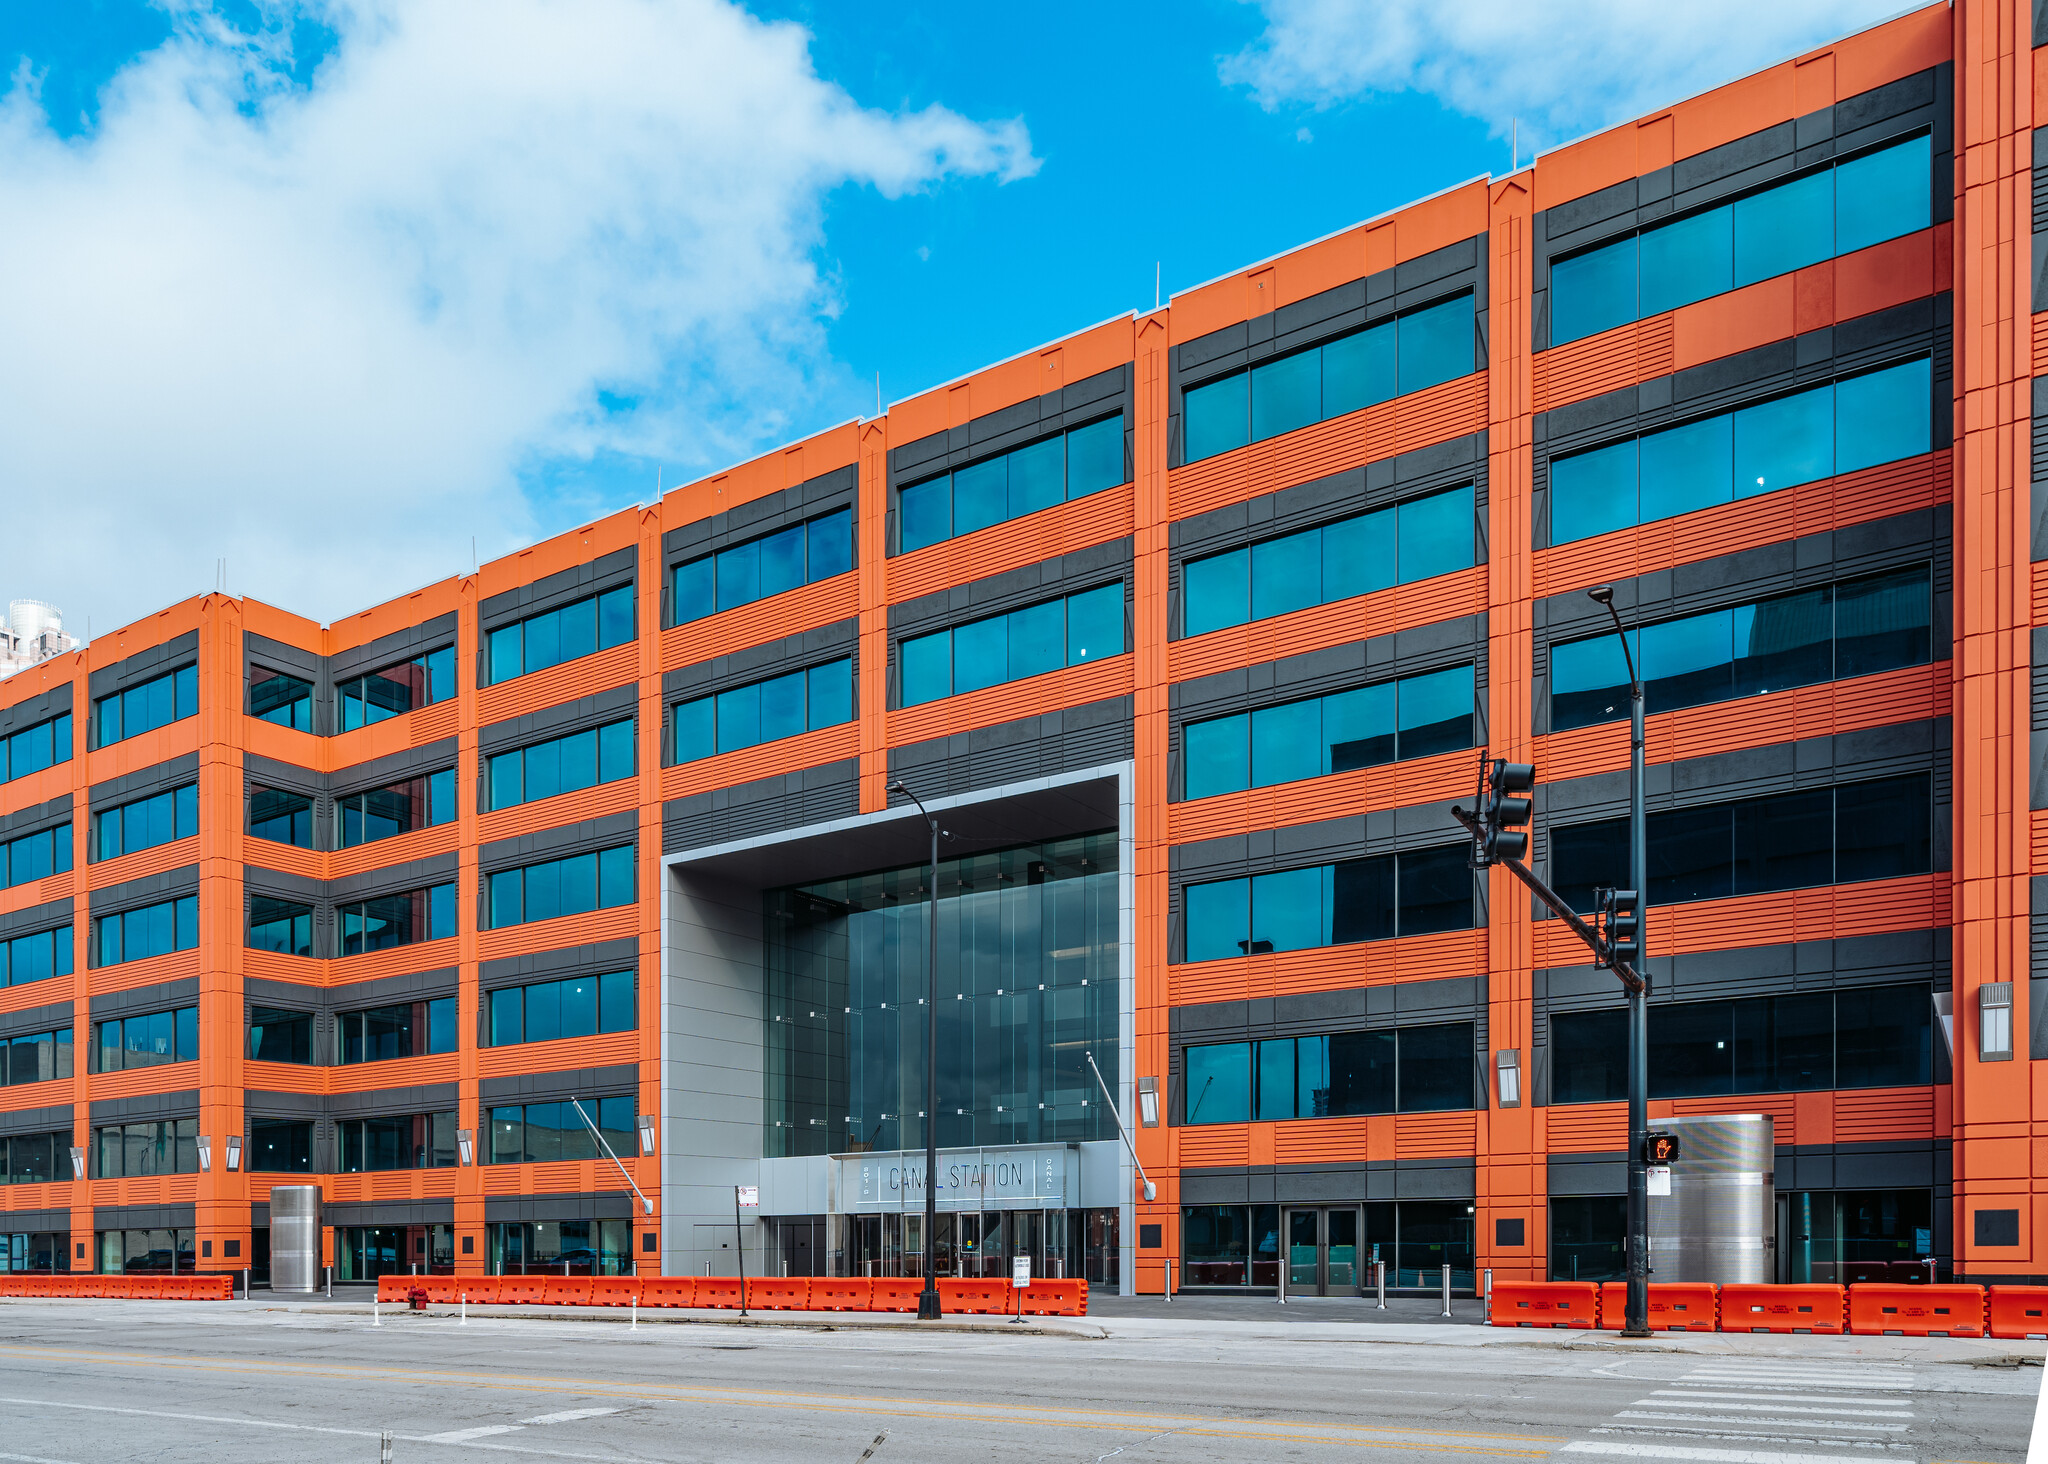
[
  {"x": 1719, "y": 1223},
  {"x": 295, "y": 1238}
]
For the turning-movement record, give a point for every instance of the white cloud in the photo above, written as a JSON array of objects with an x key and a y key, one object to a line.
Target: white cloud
[
  {"x": 323, "y": 330},
  {"x": 1563, "y": 67}
]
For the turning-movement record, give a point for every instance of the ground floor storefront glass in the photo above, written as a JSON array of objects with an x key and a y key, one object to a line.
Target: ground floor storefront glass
[
  {"x": 1061, "y": 1243},
  {"x": 365, "y": 1252},
  {"x": 561, "y": 1248},
  {"x": 1327, "y": 1249},
  {"x": 1823, "y": 1235},
  {"x": 140, "y": 1252},
  {"x": 38, "y": 1250}
]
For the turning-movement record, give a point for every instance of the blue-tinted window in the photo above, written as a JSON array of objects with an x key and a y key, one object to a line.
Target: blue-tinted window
[
  {"x": 1413, "y": 893},
  {"x": 1850, "y": 424},
  {"x": 281, "y": 815},
  {"x": 34, "y": 748},
  {"x": 394, "y": 809},
  {"x": 284, "y": 700},
  {"x": 799, "y": 555},
  {"x": 153, "y": 930},
  {"x": 1787, "y": 226},
  {"x": 560, "y": 765},
  {"x": 35, "y": 856},
  {"x": 578, "y": 1007},
  {"x": 764, "y": 711},
  {"x": 548, "y": 1133},
  {"x": 1422, "y": 348},
  {"x": 35, "y": 957},
  {"x": 1339, "y": 1075},
  {"x": 148, "y": 822},
  {"x": 150, "y": 1040},
  {"x": 281, "y": 926},
  {"x": 545, "y": 640},
  {"x": 1855, "y": 628},
  {"x": 1354, "y": 556},
  {"x": 1072, "y": 465},
  {"x": 38, "y": 1057},
  {"x": 1027, "y": 642},
  {"x": 1417, "y": 716},
  {"x": 410, "y": 1029},
  {"x": 389, "y": 921},
  {"x": 558, "y": 887},
  {"x": 396, "y": 690},
  {"x": 156, "y": 703}
]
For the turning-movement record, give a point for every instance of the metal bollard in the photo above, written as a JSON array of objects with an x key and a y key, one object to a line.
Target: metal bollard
[
  {"x": 462, "y": 1299},
  {"x": 1379, "y": 1282},
  {"x": 1169, "y": 1278},
  {"x": 376, "y": 1320},
  {"x": 330, "y": 1283},
  {"x": 384, "y": 1447},
  {"x": 1486, "y": 1310},
  {"x": 1447, "y": 1290},
  {"x": 636, "y": 1314},
  {"x": 1282, "y": 1286}
]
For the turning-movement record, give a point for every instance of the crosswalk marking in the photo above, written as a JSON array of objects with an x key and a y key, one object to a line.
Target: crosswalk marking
[
  {"x": 1862, "y": 1410},
  {"x": 1673, "y": 1396},
  {"x": 1710, "y": 1456},
  {"x": 464, "y": 1435},
  {"x": 1780, "y": 1422}
]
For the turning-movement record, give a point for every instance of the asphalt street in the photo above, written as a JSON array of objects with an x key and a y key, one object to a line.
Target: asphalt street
[{"x": 88, "y": 1382}]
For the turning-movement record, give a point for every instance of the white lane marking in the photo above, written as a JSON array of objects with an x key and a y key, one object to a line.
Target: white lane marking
[
  {"x": 1707, "y": 1456},
  {"x": 571, "y": 1415},
  {"x": 33, "y": 1459},
  {"x": 1798, "y": 1423},
  {"x": 1668, "y": 1397},
  {"x": 1802, "y": 1380},
  {"x": 1667, "y": 1430},
  {"x": 464, "y": 1435}
]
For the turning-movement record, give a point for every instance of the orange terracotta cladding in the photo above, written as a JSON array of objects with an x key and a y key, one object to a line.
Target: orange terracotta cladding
[
  {"x": 1329, "y": 968},
  {"x": 1852, "y": 1115},
  {"x": 1340, "y": 622},
  {"x": 1390, "y": 785},
  {"x": 1096, "y": 519}
]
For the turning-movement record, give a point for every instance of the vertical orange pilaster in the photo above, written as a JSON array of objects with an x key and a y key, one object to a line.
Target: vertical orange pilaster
[
  {"x": 221, "y": 1214},
  {"x": 1990, "y": 861},
  {"x": 871, "y": 671},
  {"x": 647, "y": 1169},
  {"x": 84, "y": 1247},
  {"x": 469, "y": 1180}
]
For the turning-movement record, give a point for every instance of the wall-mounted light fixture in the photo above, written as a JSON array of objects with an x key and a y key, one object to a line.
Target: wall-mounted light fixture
[
  {"x": 1148, "y": 1103},
  {"x": 205, "y": 1154},
  {"x": 645, "y": 1123},
  {"x": 465, "y": 1146},
  {"x": 234, "y": 1147},
  {"x": 1945, "y": 1021},
  {"x": 1507, "y": 1068},
  {"x": 1994, "y": 1022},
  {"x": 78, "y": 1166}
]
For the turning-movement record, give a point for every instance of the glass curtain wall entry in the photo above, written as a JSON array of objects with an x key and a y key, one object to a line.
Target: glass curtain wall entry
[
  {"x": 1417, "y": 892},
  {"x": 560, "y": 765},
  {"x": 764, "y": 711},
  {"x": 156, "y": 703},
  {"x": 35, "y": 957},
  {"x": 1842, "y": 208},
  {"x": 1842, "y": 427},
  {"x": 540, "y": 641},
  {"x": 286, "y": 701},
  {"x": 35, "y": 856},
  {"x": 1862, "y": 1037},
  {"x": 160, "y": 819},
  {"x": 1416, "y": 716},
  {"x": 1027, "y": 978},
  {"x": 1881, "y": 829},
  {"x": 1422, "y": 348},
  {"x": 396, "y": 808},
  {"x": 1396, "y": 545},
  {"x": 1027, "y": 642},
  {"x": 1856, "y": 627},
  {"x": 1010, "y": 485},
  {"x": 396, "y": 690},
  {"x": 34, "y": 748},
  {"x": 800, "y": 555}
]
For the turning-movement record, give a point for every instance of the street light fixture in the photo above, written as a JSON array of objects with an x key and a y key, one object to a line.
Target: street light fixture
[
  {"x": 1636, "y": 1318},
  {"x": 928, "y": 1299}
]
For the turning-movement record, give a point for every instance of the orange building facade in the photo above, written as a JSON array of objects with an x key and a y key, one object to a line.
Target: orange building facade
[{"x": 532, "y": 913}]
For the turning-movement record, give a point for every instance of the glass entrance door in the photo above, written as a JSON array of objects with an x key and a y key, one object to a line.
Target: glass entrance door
[{"x": 1322, "y": 1252}]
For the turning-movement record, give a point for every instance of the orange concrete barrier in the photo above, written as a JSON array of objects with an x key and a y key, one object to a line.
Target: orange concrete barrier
[
  {"x": 1574, "y": 1304},
  {"x": 1675, "y": 1306},
  {"x": 720, "y": 1293},
  {"x": 842, "y": 1293},
  {"x": 567, "y": 1291},
  {"x": 2016, "y": 1311},
  {"x": 393, "y": 1288},
  {"x": 668, "y": 1291},
  {"x": 1804, "y": 1307},
  {"x": 614, "y": 1290},
  {"x": 780, "y": 1293},
  {"x": 1055, "y": 1299},
  {"x": 521, "y": 1290},
  {"x": 1878, "y": 1309},
  {"x": 973, "y": 1296},
  {"x": 475, "y": 1290},
  {"x": 896, "y": 1293}
]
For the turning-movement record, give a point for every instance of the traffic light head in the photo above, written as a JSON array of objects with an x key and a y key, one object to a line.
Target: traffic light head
[
  {"x": 1507, "y": 809},
  {"x": 1660, "y": 1149},
  {"x": 1624, "y": 926}
]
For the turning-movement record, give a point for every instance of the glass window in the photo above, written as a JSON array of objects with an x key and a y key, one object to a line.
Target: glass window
[
  {"x": 1784, "y": 228},
  {"x": 279, "y": 1035},
  {"x": 389, "y": 921},
  {"x": 138, "y": 1150},
  {"x": 1594, "y": 291},
  {"x": 1217, "y": 1082},
  {"x": 280, "y": 1146},
  {"x": 34, "y": 748},
  {"x": 1884, "y": 194},
  {"x": 281, "y": 815},
  {"x": 152, "y": 930},
  {"x": 1435, "y": 344},
  {"x": 1884, "y": 416},
  {"x": 36, "y": 957},
  {"x": 146, "y": 1040},
  {"x": 1412, "y": 893},
  {"x": 764, "y": 711},
  {"x": 1027, "y": 642},
  {"x": 396, "y": 808},
  {"x": 284, "y": 700},
  {"x": 561, "y": 765},
  {"x": 1217, "y": 416},
  {"x": 35, "y": 856},
  {"x": 548, "y": 639},
  {"x": 148, "y": 822},
  {"x": 38, "y": 1057},
  {"x": 396, "y": 690},
  {"x": 1685, "y": 261},
  {"x": 1081, "y": 461},
  {"x": 156, "y": 703},
  {"x": 801, "y": 554},
  {"x": 545, "y": 1133},
  {"x": 1589, "y": 1056},
  {"x": 557, "y": 887},
  {"x": 1408, "y": 1070},
  {"x": 281, "y": 926}
]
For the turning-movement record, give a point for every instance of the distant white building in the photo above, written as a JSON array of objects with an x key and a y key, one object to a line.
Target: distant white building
[{"x": 33, "y": 631}]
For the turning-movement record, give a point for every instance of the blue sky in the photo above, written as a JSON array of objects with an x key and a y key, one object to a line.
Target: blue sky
[{"x": 489, "y": 264}]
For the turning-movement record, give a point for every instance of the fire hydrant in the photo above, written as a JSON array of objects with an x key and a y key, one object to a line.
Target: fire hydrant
[{"x": 417, "y": 1297}]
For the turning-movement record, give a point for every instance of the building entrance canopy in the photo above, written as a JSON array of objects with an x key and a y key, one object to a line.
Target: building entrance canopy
[{"x": 1015, "y": 1177}]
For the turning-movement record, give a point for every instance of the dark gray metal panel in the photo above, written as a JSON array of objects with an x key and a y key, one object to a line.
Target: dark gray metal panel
[
  {"x": 33, "y": 1220},
  {"x": 1214, "y": 1187},
  {"x": 1309, "y": 1184},
  {"x": 35, "y": 918},
  {"x": 1027, "y": 585},
  {"x": 557, "y": 843},
  {"x": 758, "y": 663},
  {"x": 513, "y": 1209},
  {"x": 157, "y": 996},
  {"x": 1068, "y": 740},
  {"x": 142, "y": 1217},
  {"x": 284, "y": 1105},
  {"x": 559, "y": 721},
  {"x": 31, "y": 710},
  {"x": 1411, "y": 1003},
  {"x": 394, "y": 878},
  {"x": 420, "y": 1098},
  {"x": 604, "y": 955},
  {"x": 141, "y": 1106},
  {"x": 387, "y": 990},
  {"x": 763, "y": 515},
  {"x": 49, "y": 1017},
  {"x": 764, "y": 806},
  {"x": 134, "y": 893},
  {"x": 396, "y": 767},
  {"x": 145, "y": 665},
  {"x": 35, "y": 818},
  {"x": 389, "y": 650},
  {"x": 1012, "y": 427},
  {"x": 1588, "y": 1174},
  {"x": 146, "y": 782},
  {"x": 50, "y": 1118},
  {"x": 594, "y": 1082},
  {"x": 388, "y": 1212},
  {"x": 1435, "y": 1179},
  {"x": 562, "y": 588}
]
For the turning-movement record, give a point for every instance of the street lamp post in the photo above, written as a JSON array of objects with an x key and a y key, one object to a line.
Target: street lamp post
[
  {"x": 928, "y": 1299},
  {"x": 1636, "y": 1318}
]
